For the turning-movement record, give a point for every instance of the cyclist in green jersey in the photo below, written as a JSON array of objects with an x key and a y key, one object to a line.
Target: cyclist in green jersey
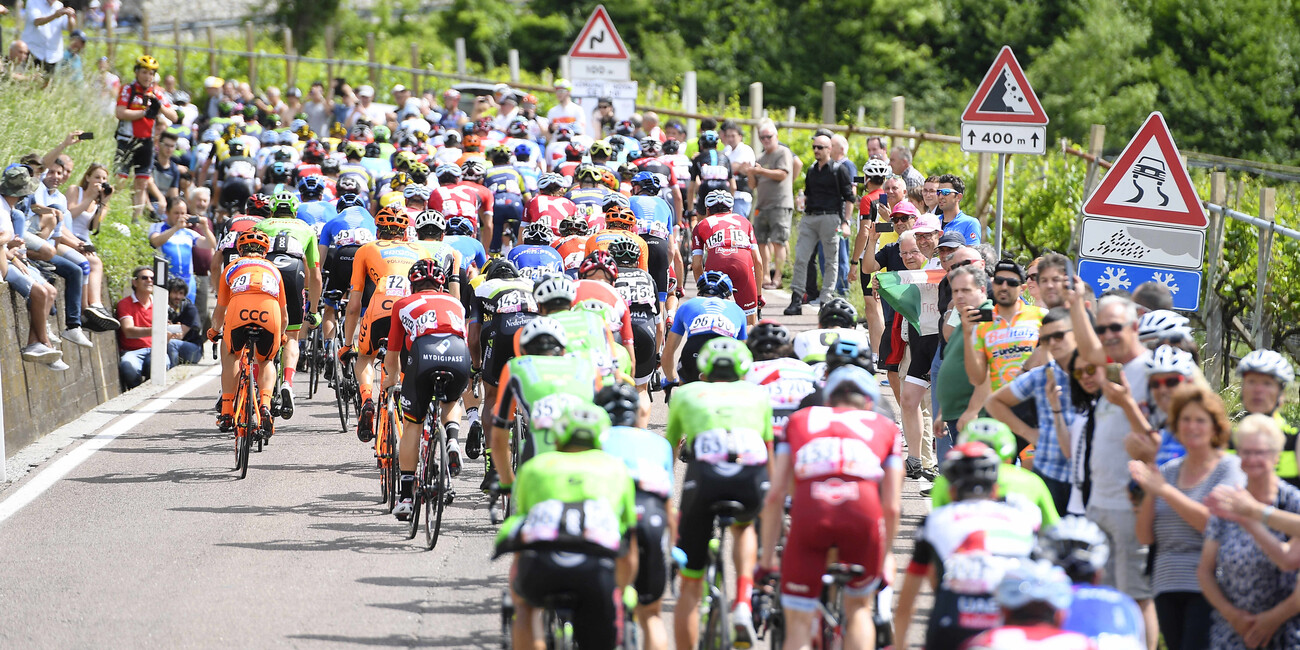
[
  {"x": 587, "y": 333},
  {"x": 294, "y": 252},
  {"x": 1011, "y": 479},
  {"x": 430, "y": 226},
  {"x": 592, "y": 564},
  {"x": 724, "y": 427}
]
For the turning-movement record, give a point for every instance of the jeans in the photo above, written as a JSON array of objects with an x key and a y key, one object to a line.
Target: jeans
[
  {"x": 73, "y": 278},
  {"x": 179, "y": 352},
  {"x": 814, "y": 228},
  {"x": 134, "y": 367},
  {"x": 842, "y": 283}
]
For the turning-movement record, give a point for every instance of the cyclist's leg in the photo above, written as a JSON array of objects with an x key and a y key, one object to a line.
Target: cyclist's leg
[
  {"x": 750, "y": 488},
  {"x": 417, "y": 385},
  {"x": 694, "y": 530},
  {"x": 652, "y": 568},
  {"x": 802, "y": 565},
  {"x": 295, "y": 287}
]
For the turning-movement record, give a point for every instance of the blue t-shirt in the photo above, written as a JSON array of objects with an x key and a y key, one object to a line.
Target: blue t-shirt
[
  {"x": 965, "y": 225},
  {"x": 534, "y": 261},
  {"x": 1106, "y": 615},
  {"x": 710, "y": 316},
  {"x": 352, "y": 227},
  {"x": 317, "y": 213},
  {"x": 653, "y": 216},
  {"x": 1169, "y": 449},
  {"x": 179, "y": 249},
  {"x": 648, "y": 456},
  {"x": 470, "y": 249},
  {"x": 378, "y": 167}
]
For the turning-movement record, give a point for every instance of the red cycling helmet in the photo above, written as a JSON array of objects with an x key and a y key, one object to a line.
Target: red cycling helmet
[
  {"x": 258, "y": 205},
  {"x": 427, "y": 270},
  {"x": 599, "y": 260}
]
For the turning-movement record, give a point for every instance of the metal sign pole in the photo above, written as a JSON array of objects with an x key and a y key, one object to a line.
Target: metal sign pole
[{"x": 997, "y": 228}]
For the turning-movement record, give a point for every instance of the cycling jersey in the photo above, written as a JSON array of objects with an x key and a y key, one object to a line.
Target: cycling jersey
[
  {"x": 228, "y": 232},
  {"x": 456, "y": 200},
  {"x": 1030, "y": 637},
  {"x": 317, "y": 213},
  {"x": 724, "y": 422},
  {"x": 589, "y": 336},
  {"x": 495, "y": 298},
  {"x": 649, "y": 461},
  {"x": 593, "y": 483},
  {"x": 529, "y": 171},
  {"x": 527, "y": 381},
  {"x": 590, "y": 202},
  {"x": 1108, "y": 616},
  {"x": 1006, "y": 345},
  {"x": 550, "y": 210},
  {"x": 299, "y": 240},
  {"x": 638, "y": 290},
  {"x": 253, "y": 294},
  {"x": 1011, "y": 480},
  {"x": 380, "y": 272},
  {"x": 352, "y": 227},
  {"x": 726, "y": 242},
  {"x": 654, "y": 216},
  {"x": 811, "y": 345},
  {"x": 135, "y": 97},
  {"x": 505, "y": 180},
  {"x": 712, "y": 170},
  {"x": 360, "y": 172},
  {"x": 602, "y": 240},
  {"x": 648, "y": 456},
  {"x": 681, "y": 166},
  {"x": 617, "y": 317},
  {"x": 708, "y": 315},
  {"x": 428, "y": 330},
  {"x": 485, "y": 197},
  {"x": 572, "y": 249},
  {"x": 446, "y": 255},
  {"x": 535, "y": 261},
  {"x": 421, "y": 314},
  {"x": 786, "y": 382},
  {"x": 471, "y": 251}
]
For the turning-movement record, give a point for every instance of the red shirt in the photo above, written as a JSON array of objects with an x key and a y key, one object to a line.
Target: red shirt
[
  {"x": 455, "y": 201},
  {"x": 426, "y": 312},
  {"x": 864, "y": 206},
  {"x": 135, "y": 97},
  {"x": 485, "y": 197},
  {"x": 726, "y": 230},
  {"x": 844, "y": 443},
  {"x": 142, "y": 316},
  {"x": 550, "y": 209}
]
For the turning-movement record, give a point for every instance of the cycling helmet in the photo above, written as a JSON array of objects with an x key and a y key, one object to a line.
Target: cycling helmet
[
  {"x": 854, "y": 377},
  {"x": 517, "y": 129},
  {"x": 349, "y": 185},
  {"x": 671, "y": 147},
  {"x": 419, "y": 172},
  {"x": 574, "y": 151},
  {"x": 501, "y": 269},
  {"x": 562, "y": 131},
  {"x": 1029, "y": 582},
  {"x": 550, "y": 181},
  {"x": 447, "y": 173},
  {"x": 876, "y": 168},
  {"x": 416, "y": 191},
  {"x": 971, "y": 468},
  {"x": 269, "y": 138},
  {"x": 499, "y": 155},
  {"x": 1156, "y": 326},
  {"x": 583, "y": 424},
  {"x": 483, "y": 124},
  {"x": 391, "y": 217},
  {"x": 719, "y": 201},
  {"x": 714, "y": 283},
  {"x": 555, "y": 288},
  {"x": 313, "y": 152},
  {"x": 614, "y": 200},
  {"x": 588, "y": 174},
  {"x": 382, "y": 134},
  {"x": 574, "y": 224},
  {"x": 147, "y": 62},
  {"x": 601, "y": 148},
  {"x": 472, "y": 170},
  {"x": 258, "y": 205},
  {"x": 284, "y": 205},
  {"x": 651, "y": 146},
  {"x": 837, "y": 313},
  {"x": 627, "y": 170},
  {"x": 542, "y": 335},
  {"x": 283, "y": 155},
  {"x": 350, "y": 200},
  {"x": 523, "y": 152},
  {"x": 471, "y": 142},
  {"x": 354, "y": 150},
  {"x": 281, "y": 170},
  {"x": 767, "y": 337},
  {"x": 402, "y": 160},
  {"x": 599, "y": 260},
  {"x": 625, "y": 252},
  {"x": 1169, "y": 359},
  {"x": 993, "y": 433},
  {"x": 611, "y": 180},
  {"x": 427, "y": 270},
  {"x": 252, "y": 239},
  {"x": 430, "y": 219},
  {"x": 724, "y": 357},
  {"x": 709, "y": 140},
  {"x": 621, "y": 402},
  {"x": 460, "y": 226},
  {"x": 372, "y": 150},
  {"x": 647, "y": 183},
  {"x": 848, "y": 352},
  {"x": 236, "y": 148},
  {"x": 538, "y": 233},
  {"x": 1269, "y": 363},
  {"x": 1075, "y": 544},
  {"x": 329, "y": 166},
  {"x": 620, "y": 218},
  {"x": 311, "y": 186},
  {"x": 625, "y": 128}
]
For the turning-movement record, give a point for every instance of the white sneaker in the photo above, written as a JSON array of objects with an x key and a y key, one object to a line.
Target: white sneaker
[
  {"x": 742, "y": 620},
  {"x": 453, "y": 458},
  {"x": 78, "y": 337},
  {"x": 41, "y": 353},
  {"x": 58, "y": 365}
]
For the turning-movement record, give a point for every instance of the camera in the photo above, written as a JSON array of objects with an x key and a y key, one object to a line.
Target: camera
[{"x": 105, "y": 189}]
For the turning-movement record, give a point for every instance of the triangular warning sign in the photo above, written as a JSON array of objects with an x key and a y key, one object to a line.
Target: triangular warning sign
[
  {"x": 1004, "y": 96},
  {"x": 598, "y": 39},
  {"x": 1148, "y": 182}
]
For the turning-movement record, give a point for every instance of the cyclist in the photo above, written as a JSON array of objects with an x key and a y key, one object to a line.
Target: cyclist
[
  {"x": 681, "y": 166},
  {"x": 250, "y": 294},
  {"x": 710, "y": 170},
  {"x": 549, "y": 205},
  {"x": 379, "y": 280},
  {"x": 138, "y": 106},
  {"x": 844, "y": 460},
  {"x": 473, "y": 174},
  {"x": 314, "y": 210},
  {"x": 964, "y": 547},
  {"x": 455, "y": 199},
  {"x": 1034, "y": 598},
  {"x": 649, "y": 460},
  {"x": 294, "y": 252},
  {"x": 655, "y": 224},
  {"x": 572, "y": 243},
  {"x": 652, "y": 161},
  {"x": 637, "y": 289},
  {"x": 709, "y": 315},
  {"x": 580, "y": 560},
  {"x": 589, "y": 194},
  {"x": 601, "y": 151},
  {"x": 415, "y": 198},
  {"x": 723, "y": 426},
  {"x": 429, "y": 228},
  {"x": 339, "y": 240},
  {"x": 1103, "y": 614},
  {"x": 570, "y": 158},
  {"x": 509, "y": 193},
  {"x": 597, "y": 276},
  {"x": 526, "y": 153},
  {"x": 837, "y": 320},
  {"x": 535, "y": 257},
  {"x": 620, "y": 224},
  {"x": 724, "y": 241},
  {"x": 1012, "y": 479},
  {"x": 587, "y": 333},
  {"x": 1163, "y": 327},
  {"x": 256, "y": 208},
  {"x": 236, "y": 178},
  {"x": 278, "y": 175},
  {"x": 1265, "y": 376},
  {"x": 426, "y": 335},
  {"x": 503, "y": 304}
]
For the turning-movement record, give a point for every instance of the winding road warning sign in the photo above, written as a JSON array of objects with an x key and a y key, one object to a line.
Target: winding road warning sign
[{"x": 1148, "y": 182}]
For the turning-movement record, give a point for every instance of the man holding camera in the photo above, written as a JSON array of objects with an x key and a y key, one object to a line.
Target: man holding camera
[
  {"x": 138, "y": 107},
  {"x": 998, "y": 343}
]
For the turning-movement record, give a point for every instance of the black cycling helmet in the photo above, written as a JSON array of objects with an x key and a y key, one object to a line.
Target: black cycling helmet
[
  {"x": 847, "y": 352},
  {"x": 972, "y": 470},
  {"x": 258, "y": 205},
  {"x": 501, "y": 269},
  {"x": 671, "y": 147},
  {"x": 837, "y": 312},
  {"x": 621, "y": 402},
  {"x": 766, "y": 339}
]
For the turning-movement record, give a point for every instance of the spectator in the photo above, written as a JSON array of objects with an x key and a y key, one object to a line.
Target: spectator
[
  {"x": 134, "y": 338},
  {"x": 507, "y": 111},
  {"x": 1243, "y": 572},
  {"x": 675, "y": 131},
  {"x": 1151, "y": 296},
  {"x": 877, "y": 205},
  {"x": 213, "y": 96},
  {"x": 772, "y": 177},
  {"x": 1053, "y": 280},
  {"x": 742, "y": 158},
  {"x": 650, "y": 124},
  {"x": 887, "y": 258},
  {"x": 900, "y": 160},
  {"x": 318, "y": 110},
  {"x": 16, "y": 184},
  {"x": 998, "y": 347},
  {"x": 948, "y": 193},
  {"x": 876, "y": 148},
  {"x": 1031, "y": 282},
  {"x": 602, "y": 119},
  {"x": 1173, "y": 517},
  {"x": 958, "y": 401},
  {"x": 184, "y": 330},
  {"x": 44, "y": 22},
  {"x": 18, "y": 65},
  {"x": 166, "y": 173},
  {"x": 1170, "y": 368},
  {"x": 365, "y": 108},
  {"x": 828, "y": 190},
  {"x": 177, "y": 237},
  {"x": 71, "y": 63},
  {"x": 88, "y": 201},
  {"x": 198, "y": 203},
  {"x": 74, "y": 251},
  {"x": 453, "y": 117},
  {"x": 840, "y": 155}
]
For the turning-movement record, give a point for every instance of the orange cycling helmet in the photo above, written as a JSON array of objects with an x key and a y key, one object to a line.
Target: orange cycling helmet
[
  {"x": 620, "y": 218},
  {"x": 611, "y": 180},
  {"x": 253, "y": 238},
  {"x": 391, "y": 217},
  {"x": 471, "y": 142}
]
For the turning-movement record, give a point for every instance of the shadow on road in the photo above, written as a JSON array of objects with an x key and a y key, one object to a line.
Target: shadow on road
[{"x": 482, "y": 639}]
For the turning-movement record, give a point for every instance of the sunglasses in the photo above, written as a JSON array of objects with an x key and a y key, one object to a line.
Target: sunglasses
[
  {"x": 145, "y": 277},
  {"x": 900, "y": 218},
  {"x": 766, "y": 137},
  {"x": 1010, "y": 282},
  {"x": 1080, "y": 373},
  {"x": 945, "y": 192},
  {"x": 819, "y": 147},
  {"x": 1113, "y": 328},
  {"x": 1167, "y": 382},
  {"x": 1033, "y": 277},
  {"x": 961, "y": 264},
  {"x": 1054, "y": 336}
]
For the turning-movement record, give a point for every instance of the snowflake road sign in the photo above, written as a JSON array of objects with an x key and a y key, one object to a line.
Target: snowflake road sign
[{"x": 1103, "y": 276}]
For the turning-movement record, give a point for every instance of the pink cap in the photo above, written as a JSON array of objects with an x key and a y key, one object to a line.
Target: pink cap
[
  {"x": 904, "y": 207},
  {"x": 927, "y": 223}
]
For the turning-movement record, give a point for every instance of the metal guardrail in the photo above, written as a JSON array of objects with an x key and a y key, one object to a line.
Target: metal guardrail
[{"x": 1252, "y": 220}]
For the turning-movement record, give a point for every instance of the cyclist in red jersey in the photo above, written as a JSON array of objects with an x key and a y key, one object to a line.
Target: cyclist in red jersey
[
  {"x": 846, "y": 464},
  {"x": 138, "y": 106},
  {"x": 549, "y": 206},
  {"x": 472, "y": 175},
  {"x": 724, "y": 241},
  {"x": 454, "y": 198}
]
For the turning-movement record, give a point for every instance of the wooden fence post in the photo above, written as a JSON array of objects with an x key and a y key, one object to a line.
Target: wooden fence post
[
  {"x": 212, "y": 52},
  {"x": 180, "y": 53},
  {"x": 111, "y": 43},
  {"x": 548, "y": 77},
  {"x": 755, "y": 112},
  {"x": 651, "y": 92},
  {"x": 512, "y": 58},
  {"x": 250, "y": 41},
  {"x": 370, "y": 60},
  {"x": 862, "y": 116},
  {"x": 790, "y": 114},
  {"x": 1211, "y": 307},
  {"x": 144, "y": 31},
  {"x": 329, "y": 56},
  {"x": 460, "y": 56},
  {"x": 289, "y": 76},
  {"x": 897, "y": 118},
  {"x": 828, "y": 102},
  {"x": 689, "y": 102},
  {"x": 1260, "y": 324},
  {"x": 416, "y": 86}
]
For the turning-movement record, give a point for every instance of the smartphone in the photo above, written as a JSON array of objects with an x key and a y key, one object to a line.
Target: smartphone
[
  {"x": 986, "y": 312},
  {"x": 1069, "y": 273},
  {"x": 1114, "y": 371},
  {"x": 88, "y": 135}
]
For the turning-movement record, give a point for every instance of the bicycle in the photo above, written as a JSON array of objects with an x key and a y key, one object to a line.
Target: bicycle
[
  {"x": 386, "y": 427},
  {"x": 314, "y": 351},
  {"x": 715, "y": 611},
  {"x": 432, "y": 491},
  {"x": 499, "y": 501},
  {"x": 831, "y": 607},
  {"x": 769, "y": 619},
  {"x": 557, "y": 621},
  {"x": 247, "y": 413}
]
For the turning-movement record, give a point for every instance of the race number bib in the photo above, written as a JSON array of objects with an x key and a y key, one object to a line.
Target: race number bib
[
  {"x": 591, "y": 521},
  {"x": 742, "y": 446},
  {"x": 396, "y": 285}
]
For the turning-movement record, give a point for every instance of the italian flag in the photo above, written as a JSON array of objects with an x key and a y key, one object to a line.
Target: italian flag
[{"x": 910, "y": 292}]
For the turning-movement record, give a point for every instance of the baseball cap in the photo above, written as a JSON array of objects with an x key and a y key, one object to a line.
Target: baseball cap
[
  {"x": 927, "y": 223},
  {"x": 398, "y": 88},
  {"x": 17, "y": 181},
  {"x": 365, "y": 91},
  {"x": 1011, "y": 266},
  {"x": 563, "y": 84},
  {"x": 904, "y": 207},
  {"x": 951, "y": 240}
]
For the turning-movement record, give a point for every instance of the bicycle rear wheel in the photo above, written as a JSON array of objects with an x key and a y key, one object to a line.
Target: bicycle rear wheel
[
  {"x": 250, "y": 423},
  {"x": 381, "y": 452},
  {"x": 717, "y": 631},
  {"x": 240, "y": 411},
  {"x": 437, "y": 499},
  {"x": 422, "y": 481},
  {"x": 314, "y": 348},
  {"x": 393, "y": 472}
]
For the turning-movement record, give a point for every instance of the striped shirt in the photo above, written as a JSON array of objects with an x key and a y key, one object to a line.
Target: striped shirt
[{"x": 1179, "y": 544}]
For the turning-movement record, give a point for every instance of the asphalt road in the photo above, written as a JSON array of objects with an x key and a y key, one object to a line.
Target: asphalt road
[{"x": 151, "y": 541}]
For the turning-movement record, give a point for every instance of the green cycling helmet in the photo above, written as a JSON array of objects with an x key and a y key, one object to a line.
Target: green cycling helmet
[
  {"x": 284, "y": 205},
  {"x": 582, "y": 424},
  {"x": 994, "y": 433},
  {"x": 724, "y": 356}
]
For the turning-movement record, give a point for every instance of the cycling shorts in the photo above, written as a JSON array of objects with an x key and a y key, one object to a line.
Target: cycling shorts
[
  {"x": 134, "y": 157},
  {"x": 923, "y": 350},
  {"x": 658, "y": 262},
  {"x": 739, "y": 266},
  {"x": 499, "y": 343},
  {"x": 338, "y": 262},
  {"x": 375, "y": 323},
  {"x": 507, "y": 212},
  {"x": 652, "y": 547},
  {"x": 705, "y": 485},
  {"x": 840, "y": 519},
  {"x": 589, "y": 580},
  {"x": 248, "y": 311},
  {"x": 294, "y": 273},
  {"x": 235, "y": 193},
  {"x": 687, "y": 370},
  {"x": 644, "y": 345},
  {"x": 429, "y": 354}
]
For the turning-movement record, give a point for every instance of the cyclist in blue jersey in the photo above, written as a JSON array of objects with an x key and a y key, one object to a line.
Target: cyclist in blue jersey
[
  {"x": 1104, "y": 614},
  {"x": 339, "y": 240},
  {"x": 508, "y": 194},
  {"x": 535, "y": 257},
  {"x": 655, "y": 223},
  {"x": 461, "y": 236},
  {"x": 313, "y": 208},
  {"x": 526, "y": 155},
  {"x": 589, "y": 195},
  {"x": 709, "y": 315}
]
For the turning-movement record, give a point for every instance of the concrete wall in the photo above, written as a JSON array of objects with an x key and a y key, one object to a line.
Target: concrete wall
[{"x": 38, "y": 400}]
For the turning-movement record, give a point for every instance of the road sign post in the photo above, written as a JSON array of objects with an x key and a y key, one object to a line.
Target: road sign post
[{"x": 1004, "y": 117}]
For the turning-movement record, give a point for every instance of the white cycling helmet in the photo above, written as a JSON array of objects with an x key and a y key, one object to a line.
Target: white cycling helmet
[
  {"x": 876, "y": 168},
  {"x": 1167, "y": 359},
  {"x": 538, "y": 232},
  {"x": 550, "y": 180},
  {"x": 1160, "y": 325},
  {"x": 555, "y": 287},
  {"x": 719, "y": 197},
  {"x": 430, "y": 218},
  {"x": 416, "y": 190},
  {"x": 540, "y": 327},
  {"x": 1269, "y": 363},
  {"x": 1034, "y": 581}
]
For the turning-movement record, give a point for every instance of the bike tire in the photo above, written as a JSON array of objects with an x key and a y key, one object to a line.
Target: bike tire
[
  {"x": 381, "y": 461},
  {"x": 240, "y": 410},
  {"x": 417, "y": 490},
  {"x": 393, "y": 471},
  {"x": 314, "y": 347},
  {"x": 250, "y": 424},
  {"x": 438, "y": 501},
  {"x": 717, "y": 631}
]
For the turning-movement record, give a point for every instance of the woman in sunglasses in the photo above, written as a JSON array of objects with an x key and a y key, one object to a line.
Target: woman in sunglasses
[{"x": 1170, "y": 368}]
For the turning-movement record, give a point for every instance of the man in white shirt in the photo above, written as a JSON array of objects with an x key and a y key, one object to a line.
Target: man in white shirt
[
  {"x": 742, "y": 157},
  {"x": 565, "y": 110},
  {"x": 367, "y": 109},
  {"x": 44, "y": 23}
]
